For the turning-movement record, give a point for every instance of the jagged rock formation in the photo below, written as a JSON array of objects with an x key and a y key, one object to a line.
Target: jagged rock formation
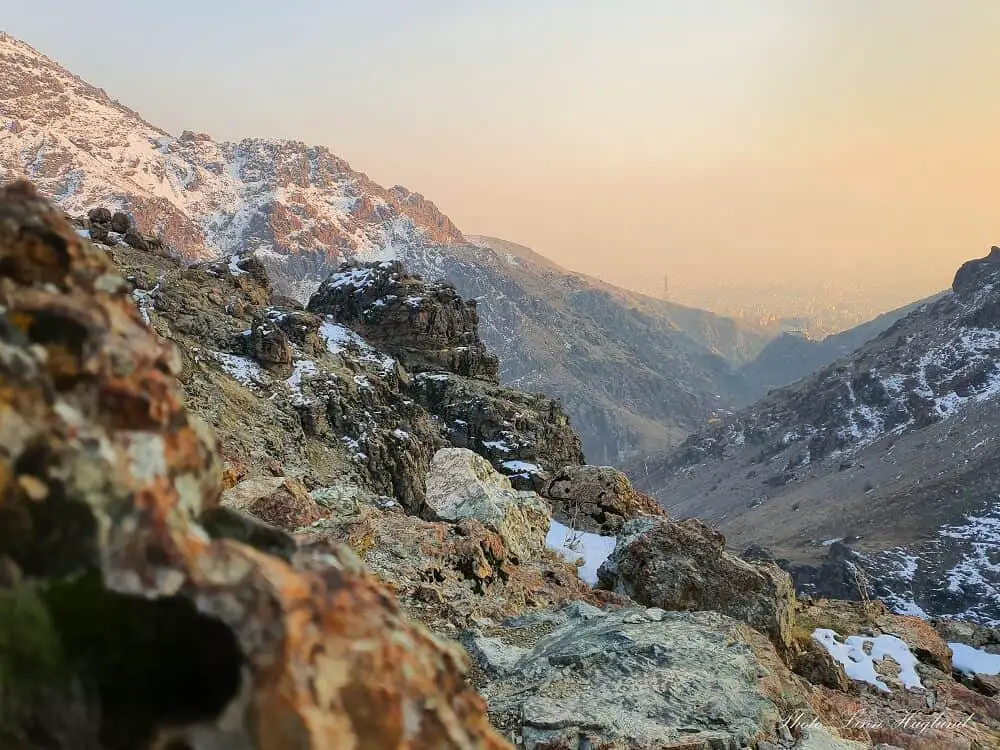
[
  {"x": 891, "y": 450},
  {"x": 684, "y": 566},
  {"x": 427, "y": 327},
  {"x": 183, "y": 640}
]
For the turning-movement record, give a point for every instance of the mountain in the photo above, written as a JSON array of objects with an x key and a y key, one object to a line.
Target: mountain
[
  {"x": 634, "y": 373},
  {"x": 891, "y": 450},
  {"x": 792, "y": 355}
]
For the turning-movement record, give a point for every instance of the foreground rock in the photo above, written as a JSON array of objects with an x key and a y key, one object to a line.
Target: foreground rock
[
  {"x": 629, "y": 679},
  {"x": 143, "y": 628},
  {"x": 598, "y": 499},
  {"x": 684, "y": 566}
]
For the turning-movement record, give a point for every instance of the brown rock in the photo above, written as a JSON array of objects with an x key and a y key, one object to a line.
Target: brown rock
[
  {"x": 268, "y": 344},
  {"x": 121, "y": 222},
  {"x": 136, "y": 240},
  {"x": 684, "y": 566},
  {"x": 185, "y": 637},
  {"x": 599, "y": 499},
  {"x": 281, "y": 502},
  {"x": 99, "y": 215},
  {"x": 428, "y": 327}
]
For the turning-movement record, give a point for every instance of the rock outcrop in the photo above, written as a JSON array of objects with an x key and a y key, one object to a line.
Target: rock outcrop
[
  {"x": 523, "y": 435},
  {"x": 427, "y": 326},
  {"x": 136, "y": 613},
  {"x": 462, "y": 485},
  {"x": 685, "y": 566},
  {"x": 599, "y": 499}
]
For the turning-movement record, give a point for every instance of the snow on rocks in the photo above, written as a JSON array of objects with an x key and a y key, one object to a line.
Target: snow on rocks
[
  {"x": 587, "y": 550},
  {"x": 860, "y": 655}
]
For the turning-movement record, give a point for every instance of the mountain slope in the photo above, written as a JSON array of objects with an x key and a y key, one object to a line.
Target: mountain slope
[
  {"x": 792, "y": 356},
  {"x": 84, "y": 149},
  {"x": 890, "y": 447},
  {"x": 634, "y": 373},
  {"x": 631, "y": 377}
]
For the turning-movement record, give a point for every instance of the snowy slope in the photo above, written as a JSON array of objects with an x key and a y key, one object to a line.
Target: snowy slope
[
  {"x": 279, "y": 197},
  {"x": 892, "y": 449}
]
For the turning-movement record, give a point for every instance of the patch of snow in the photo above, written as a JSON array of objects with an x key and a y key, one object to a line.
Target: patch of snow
[
  {"x": 971, "y": 660},
  {"x": 401, "y": 434},
  {"x": 302, "y": 367},
  {"x": 241, "y": 369},
  {"x": 234, "y": 265},
  {"x": 574, "y": 545},
  {"x": 859, "y": 655},
  {"x": 500, "y": 445},
  {"x": 340, "y": 339},
  {"x": 830, "y": 542},
  {"x": 521, "y": 468}
]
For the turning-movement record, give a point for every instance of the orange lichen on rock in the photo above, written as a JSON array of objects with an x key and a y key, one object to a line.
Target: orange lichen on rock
[{"x": 104, "y": 476}]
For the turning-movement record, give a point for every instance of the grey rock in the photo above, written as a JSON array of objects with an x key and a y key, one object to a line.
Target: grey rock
[
  {"x": 615, "y": 679},
  {"x": 462, "y": 484}
]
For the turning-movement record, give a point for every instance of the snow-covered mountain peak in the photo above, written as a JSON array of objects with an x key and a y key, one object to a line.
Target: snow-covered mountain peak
[{"x": 282, "y": 198}]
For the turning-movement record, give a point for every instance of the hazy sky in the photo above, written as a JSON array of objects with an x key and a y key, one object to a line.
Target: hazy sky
[{"x": 729, "y": 139}]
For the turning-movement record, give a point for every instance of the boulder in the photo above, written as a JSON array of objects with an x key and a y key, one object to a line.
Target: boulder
[
  {"x": 685, "y": 566},
  {"x": 121, "y": 222},
  {"x": 627, "y": 679},
  {"x": 99, "y": 233},
  {"x": 268, "y": 344},
  {"x": 281, "y": 502},
  {"x": 599, "y": 499},
  {"x": 100, "y": 216},
  {"x": 146, "y": 631},
  {"x": 462, "y": 484}
]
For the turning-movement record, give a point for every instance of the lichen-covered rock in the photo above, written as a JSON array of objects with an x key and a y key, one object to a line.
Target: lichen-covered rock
[
  {"x": 182, "y": 638},
  {"x": 599, "y": 499},
  {"x": 628, "y": 679},
  {"x": 462, "y": 484},
  {"x": 685, "y": 566},
  {"x": 279, "y": 501},
  {"x": 427, "y": 326}
]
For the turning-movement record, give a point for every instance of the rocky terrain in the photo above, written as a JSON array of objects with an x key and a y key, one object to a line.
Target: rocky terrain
[
  {"x": 890, "y": 450},
  {"x": 319, "y": 599}
]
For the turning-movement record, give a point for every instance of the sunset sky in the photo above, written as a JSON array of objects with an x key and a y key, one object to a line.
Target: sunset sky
[{"x": 714, "y": 140}]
